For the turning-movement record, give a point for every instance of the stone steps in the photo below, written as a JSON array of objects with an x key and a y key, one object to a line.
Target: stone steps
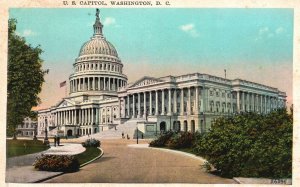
[{"x": 129, "y": 127}]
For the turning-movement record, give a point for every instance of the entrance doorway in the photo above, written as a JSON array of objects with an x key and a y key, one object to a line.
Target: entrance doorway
[
  {"x": 162, "y": 126},
  {"x": 69, "y": 132},
  {"x": 185, "y": 126},
  {"x": 193, "y": 126}
]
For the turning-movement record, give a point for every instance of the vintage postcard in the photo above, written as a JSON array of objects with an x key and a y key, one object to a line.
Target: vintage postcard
[{"x": 150, "y": 92}]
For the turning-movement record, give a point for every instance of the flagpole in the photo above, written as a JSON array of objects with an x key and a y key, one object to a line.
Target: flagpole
[{"x": 66, "y": 90}]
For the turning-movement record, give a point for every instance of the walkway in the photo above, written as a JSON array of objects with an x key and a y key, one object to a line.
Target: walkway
[
  {"x": 129, "y": 164},
  {"x": 20, "y": 170}
]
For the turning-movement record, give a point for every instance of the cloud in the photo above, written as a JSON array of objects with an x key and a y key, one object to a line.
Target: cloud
[
  {"x": 27, "y": 32},
  {"x": 190, "y": 29},
  {"x": 265, "y": 32},
  {"x": 109, "y": 21}
]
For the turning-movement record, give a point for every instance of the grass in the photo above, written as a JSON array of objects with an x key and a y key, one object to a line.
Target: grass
[
  {"x": 23, "y": 147},
  {"x": 89, "y": 154}
]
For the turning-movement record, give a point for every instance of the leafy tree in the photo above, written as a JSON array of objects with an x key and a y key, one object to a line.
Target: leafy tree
[
  {"x": 25, "y": 78},
  {"x": 250, "y": 145}
]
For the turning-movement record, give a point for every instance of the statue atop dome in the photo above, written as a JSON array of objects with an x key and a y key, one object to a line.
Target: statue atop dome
[
  {"x": 98, "y": 25},
  {"x": 97, "y": 12}
]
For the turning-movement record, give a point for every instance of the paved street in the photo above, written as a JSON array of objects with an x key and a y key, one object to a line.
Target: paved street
[
  {"x": 129, "y": 164},
  {"x": 19, "y": 169}
]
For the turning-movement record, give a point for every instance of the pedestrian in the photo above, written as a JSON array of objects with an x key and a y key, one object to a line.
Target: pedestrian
[
  {"x": 123, "y": 135},
  {"x": 128, "y": 137},
  {"x": 142, "y": 136},
  {"x": 58, "y": 141},
  {"x": 55, "y": 139}
]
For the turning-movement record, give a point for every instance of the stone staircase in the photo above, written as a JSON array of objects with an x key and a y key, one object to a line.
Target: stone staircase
[{"x": 129, "y": 127}]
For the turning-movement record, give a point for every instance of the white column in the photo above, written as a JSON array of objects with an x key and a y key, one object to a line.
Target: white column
[
  {"x": 98, "y": 83},
  {"x": 104, "y": 83},
  {"x": 88, "y": 86},
  {"x": 197, "y": 100},
  {"x": 65, "y": 117},
  {"x": 94, "y": 83},
  {"x": 150, "y": 103},
  {"x": 128, "y": 105},
  {"x": 92, "y": 115},
  {"x": 84, "y": 116},
  {"x": 79, "y": 117},
  {"x": 119, "y": 104},
  {"x": 189, "y": 102},
  {"x": 162, "y": 102},
  {"x": 175, "y": 101},
  {"x": 145, "y": 108},
  {"x": 72, "y": 117},
  {"x": 139, "y": 105},
  {"x": 169, "y": 102},
  {"x": 238, "y": 101},
  {"x": 182, "y": 103},
  {"x": 133, "y": 105},
  {"x": 243, "y": 101},
  {"x": 156, "y": 102},
  {"x": 109, "y": 83},
  {"x": 56, "y": 119},
  {"x": 76, "y": 123},
  {"x": 97, "y": 116}
]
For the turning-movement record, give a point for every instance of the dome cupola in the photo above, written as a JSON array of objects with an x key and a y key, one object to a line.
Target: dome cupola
[{"x": 98, "y": 45}]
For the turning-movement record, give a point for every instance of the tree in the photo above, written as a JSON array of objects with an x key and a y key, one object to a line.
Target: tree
[
  {"x": 25, "y": 78},
  {"x": 250, "y": 145}
]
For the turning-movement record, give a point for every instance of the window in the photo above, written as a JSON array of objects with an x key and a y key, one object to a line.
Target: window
[
  {"x": 223, "y": 94},
  {"x": 211, "y": 93},
  {"x": 217, "y": 94}
]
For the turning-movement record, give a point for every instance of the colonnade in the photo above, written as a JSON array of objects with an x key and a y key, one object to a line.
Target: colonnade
[
  {"x": 193, "y": 100},
  {"x": 96, "y": 83},
  {"x": 98, "y": 66},
  {"x": 169, "y": 101},
  {"x": 88, "y": 116},
  {"x": 247, "y": 101}
]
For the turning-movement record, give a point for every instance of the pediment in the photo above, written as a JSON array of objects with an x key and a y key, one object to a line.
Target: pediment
[
  {"x": 65, "y": 103},
  {"x": 145, "y": 81}
]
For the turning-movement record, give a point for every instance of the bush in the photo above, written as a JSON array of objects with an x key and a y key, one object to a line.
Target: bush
[
  {"x": 57, "y": 163},
  {"x": 181, "y": 140},
  {"x": 162, "y": 139},
  {"x": 91, "y": 143},
  {"x": 250, "y": 145}
]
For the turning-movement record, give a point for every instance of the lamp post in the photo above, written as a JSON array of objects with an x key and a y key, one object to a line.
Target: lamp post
[
  {"x": 137, "y": 135},
  {"x": 35, "y": 132},
  {"x": 46, "y": 141}
]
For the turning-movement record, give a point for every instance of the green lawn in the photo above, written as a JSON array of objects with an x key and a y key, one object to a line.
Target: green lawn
[
  {"x": 23, "y": 147},
  {"x": 89, "y": 154}
]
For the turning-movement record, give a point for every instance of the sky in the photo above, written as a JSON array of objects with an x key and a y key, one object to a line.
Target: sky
[{"x": 251, "y": 44}]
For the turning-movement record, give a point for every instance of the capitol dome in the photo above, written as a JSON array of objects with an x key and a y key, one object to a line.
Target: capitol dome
[
  {"x": 98, "y": 69},
  {"x": 98, "y": 46}
]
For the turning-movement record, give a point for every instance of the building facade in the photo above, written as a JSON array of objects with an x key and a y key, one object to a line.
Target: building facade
[
  {"x": 27, "y": 128},
  {"x": 100, "y": 97}
]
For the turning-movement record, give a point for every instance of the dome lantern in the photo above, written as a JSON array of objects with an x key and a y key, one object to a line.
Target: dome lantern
[{"x": 98, "y": 25}]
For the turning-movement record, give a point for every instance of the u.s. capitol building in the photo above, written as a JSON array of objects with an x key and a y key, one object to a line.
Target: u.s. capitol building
[{"x": 101, "y": 100}]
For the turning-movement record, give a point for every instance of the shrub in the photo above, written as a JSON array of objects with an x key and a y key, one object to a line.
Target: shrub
[
  {"x": 181, "y": 140},
  {"x": 162, "y": 139},
  {"x": 250, "y": 145},
  {"x": 62, "y": 163},
  {"x": 91, "y": 143}
]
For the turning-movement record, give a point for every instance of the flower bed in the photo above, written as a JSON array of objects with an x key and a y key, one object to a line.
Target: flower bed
[{"x": 57, "y": 163}]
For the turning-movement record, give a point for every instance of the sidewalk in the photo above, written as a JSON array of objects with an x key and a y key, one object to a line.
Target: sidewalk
[{"x": 20, "y": 170}]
